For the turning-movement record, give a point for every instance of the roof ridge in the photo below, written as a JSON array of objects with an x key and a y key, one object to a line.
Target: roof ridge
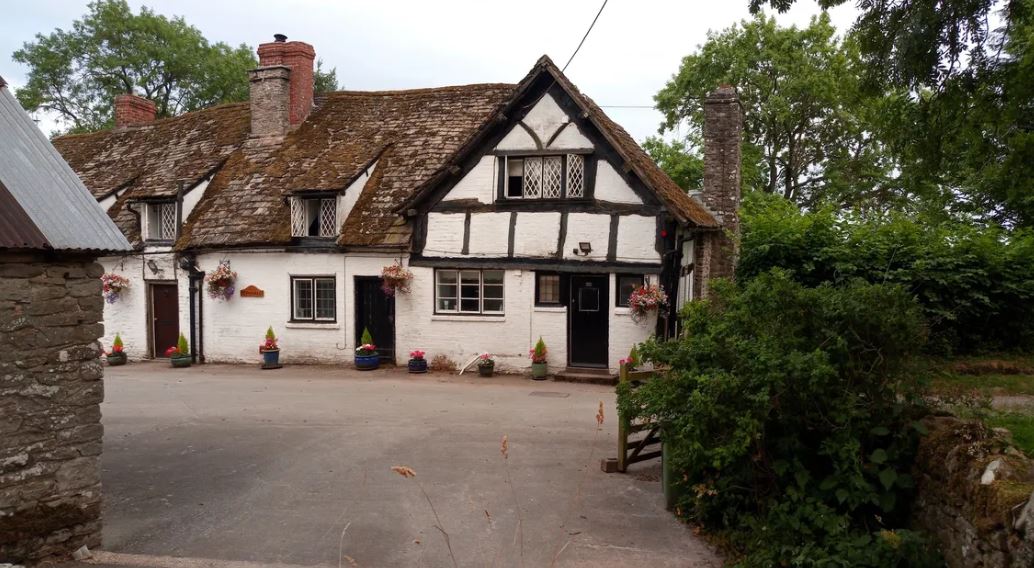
[
  {"x": 163, "y": 120},
  {"x": 417, "y": 90}
]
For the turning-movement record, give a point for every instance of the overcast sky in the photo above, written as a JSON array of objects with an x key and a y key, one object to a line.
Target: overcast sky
[{"x": 635, "y": 47}]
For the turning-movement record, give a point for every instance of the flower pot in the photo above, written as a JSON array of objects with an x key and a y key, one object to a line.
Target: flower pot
[
  {"x": 116, "y": 359},
  {"x": 538, "y": 371},
  {"x": 180, "y": 361},
  {"x": 367, "y": 362},
  {"x": 418, "y": 366},
  {"x": 271, "y": 359},
  {"x": 486, "y": 370}
]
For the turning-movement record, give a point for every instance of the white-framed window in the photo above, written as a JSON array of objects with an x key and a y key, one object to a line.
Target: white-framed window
[
  {"x": 314, "y": 217},
  {"x": 314, "y": 298},
  {"x": 468, "y": 291},
  {"x": 544, "y": 177},
  {"x": 160, "y": 221}
]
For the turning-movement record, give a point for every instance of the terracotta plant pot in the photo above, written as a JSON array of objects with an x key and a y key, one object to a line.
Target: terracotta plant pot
[
  {"x": 367, "y": 362},
  {"x": 486, "y": 370},
  {"x": 538, "y": 371},
  {"x": 116, "y": 359},
  {"x": 180, "y": 361},
  {"x": 418, "y": 366}
]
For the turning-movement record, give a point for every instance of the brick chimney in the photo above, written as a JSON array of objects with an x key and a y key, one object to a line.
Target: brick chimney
[
  {"x": 131, "y": 110},
  {"x": 281, "y": 87},
  {"x": 723, "y": 134}
]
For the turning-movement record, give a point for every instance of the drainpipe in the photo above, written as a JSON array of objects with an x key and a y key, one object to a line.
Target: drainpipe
[{"x": 195, "y": 277}]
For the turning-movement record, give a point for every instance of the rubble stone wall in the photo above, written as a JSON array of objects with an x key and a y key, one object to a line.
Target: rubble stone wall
[
  {"x": 974, "y": 495},
  {"x": 50, "y": 417}
]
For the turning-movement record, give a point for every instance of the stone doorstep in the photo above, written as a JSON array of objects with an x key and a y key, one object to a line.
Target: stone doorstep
[{"x": 588, "y": 376}]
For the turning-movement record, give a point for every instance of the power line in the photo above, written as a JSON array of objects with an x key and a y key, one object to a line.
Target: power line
[
  {"x": 628, "y": 106},
  {"x": 584, "y": 36}
]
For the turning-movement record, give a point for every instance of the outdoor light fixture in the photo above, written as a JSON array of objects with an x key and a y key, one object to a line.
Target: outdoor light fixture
[
  {"x": 153, "y": 266},
  {"x": 584, "y": 247}
]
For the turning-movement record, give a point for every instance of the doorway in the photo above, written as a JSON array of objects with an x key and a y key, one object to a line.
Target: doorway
[
  {"x": 589, "y": 326},
  {"x": 165, "y": 318},
  {"x": 375, "y": 310}
]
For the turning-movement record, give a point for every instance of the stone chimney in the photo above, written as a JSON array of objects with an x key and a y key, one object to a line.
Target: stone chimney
[
  {"x": 131, "y": 110},
  {"x": 281, "y": 87},
  {"x": 723, "y": 134}
]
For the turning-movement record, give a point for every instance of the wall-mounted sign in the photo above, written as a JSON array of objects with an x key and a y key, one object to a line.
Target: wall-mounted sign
[{"x": 252, "y": 291}]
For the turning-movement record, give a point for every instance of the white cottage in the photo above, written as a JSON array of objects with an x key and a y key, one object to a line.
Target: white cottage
[{"x": 522, "y": 211}]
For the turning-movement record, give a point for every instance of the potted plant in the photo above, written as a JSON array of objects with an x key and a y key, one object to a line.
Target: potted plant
[
  {"x": 486, "y": 365},
  {"x": 366, "y": 357},
  {"x": 112, "y": 286},
  {"x": 221, "y": 282},
  {"x": 417, "y": 363},
  {"x": 538, "y": 360},
  {"x": 632, "y": 361},
  {"x": 179, "y": 354},
  {"x": 395, "y": 278},
  {"x": 270, "y": 351},
  {"x": 118, "y": 355},
  {"x": 644, "y": 300}
]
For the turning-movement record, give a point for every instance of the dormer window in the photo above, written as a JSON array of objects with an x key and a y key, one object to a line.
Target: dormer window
[
  {"x": 544, "y": 177},
  {"x": 314, "y": 217},
  {"x": 160, "y": 221}
]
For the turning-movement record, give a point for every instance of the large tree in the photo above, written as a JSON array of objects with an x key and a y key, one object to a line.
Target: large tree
[
  {"x": 968, "y": 69},
  {"x": 75, "y": 74},
  {"x": 808, "y": 131}
]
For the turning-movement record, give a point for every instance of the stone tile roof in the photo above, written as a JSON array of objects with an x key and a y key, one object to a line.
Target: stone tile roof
[{"x": 407, "y": 133}]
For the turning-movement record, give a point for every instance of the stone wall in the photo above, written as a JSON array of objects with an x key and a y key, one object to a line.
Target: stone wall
[
  {"x": 974, "y": 495},
  {"x": 50, "y": 395}
]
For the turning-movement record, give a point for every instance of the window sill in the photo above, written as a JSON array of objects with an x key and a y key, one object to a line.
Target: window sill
[
  {"x": 550, "y": 309},
  {"x": 312, "y": 325},
  {"x": 468, "y": 318}
]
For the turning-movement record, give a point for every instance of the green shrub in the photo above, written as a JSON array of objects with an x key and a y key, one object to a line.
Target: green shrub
[
  {"x": 367, "y": 337},
  {"x": 975, "y": 284},
  {"x": 182, "y": 345},
  {"x": 790, "y": 418}
]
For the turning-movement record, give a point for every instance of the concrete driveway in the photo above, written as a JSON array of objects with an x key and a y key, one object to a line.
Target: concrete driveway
[{"x": 294, "y": 467}]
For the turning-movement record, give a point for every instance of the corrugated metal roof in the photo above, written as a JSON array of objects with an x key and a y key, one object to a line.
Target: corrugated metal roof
[
  {"x": 16, "y": 229},
  {"x": 48, "y": 191}
]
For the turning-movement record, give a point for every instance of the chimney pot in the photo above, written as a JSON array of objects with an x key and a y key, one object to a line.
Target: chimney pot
[
  {"x": 279, "y": 38},
  {"x": 133, "y": 110}
]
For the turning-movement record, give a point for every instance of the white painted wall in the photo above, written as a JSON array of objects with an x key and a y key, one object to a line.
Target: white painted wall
[
  {"x": 507, "y": 337},
  {"x": 192, "y": 197},
  {"x": 545, "y": 118},
  {"x": 517, "y": 139},
  {"x": 536, "y": 234},
  {"x": 352, "y": 193},
  {"x": 489, "y": 234},
  {"x": 129, "y": 315},
  {"x": 591, "y": 228},
  {"x": 479, "y": 183},
  {"x": 637, "y": 239},
  {"x": 570, "y": 138},
  {"x": 444, "y": 234},
  {"x": 611, "y": 187},
  {"x": 108, "y": 201},
  {"x": 234, "y": 329}
]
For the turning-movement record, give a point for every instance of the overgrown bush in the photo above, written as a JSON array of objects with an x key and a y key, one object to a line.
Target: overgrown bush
[
  {"x": 975, "y": 284},
  {"x": 791, "y": 420}
]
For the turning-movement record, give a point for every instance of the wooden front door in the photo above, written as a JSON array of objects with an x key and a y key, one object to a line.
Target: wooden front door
[
  {"x": 165, "y": 318},
  {"x": 375, "y": 310},
  {"x": 589, "y": 325}
]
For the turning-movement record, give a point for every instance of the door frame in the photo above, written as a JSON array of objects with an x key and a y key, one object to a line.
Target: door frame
[
  {"x": 151, "y": 340},
  {"x": 358, "y": 333},
  {"x": 605, "y": 306}
]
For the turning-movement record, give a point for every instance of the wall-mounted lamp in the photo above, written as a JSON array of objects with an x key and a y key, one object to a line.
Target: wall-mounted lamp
[
  {"x": 153, "y": 266},
  {"x": 584, "y": 248}
]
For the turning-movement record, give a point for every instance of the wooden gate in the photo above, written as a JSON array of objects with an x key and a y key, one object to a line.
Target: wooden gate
[{"x": 633, "y": 446}]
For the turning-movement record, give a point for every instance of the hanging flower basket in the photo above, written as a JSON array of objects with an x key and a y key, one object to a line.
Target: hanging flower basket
[
  {"x": 396, "y": 278},
  {"x": 113, "y": 285},
  {"x": 220, "y": 282},
  {"x": 646, "y": 300}
]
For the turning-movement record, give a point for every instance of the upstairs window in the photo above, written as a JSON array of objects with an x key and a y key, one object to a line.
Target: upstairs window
[
  {"x": 544, "y": 177},
  {"x": 314, "y": 217},
  {"x": 160, "y": 222}
]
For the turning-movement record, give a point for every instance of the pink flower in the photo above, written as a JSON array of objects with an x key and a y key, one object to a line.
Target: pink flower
[{"x": 416, "y": 354}]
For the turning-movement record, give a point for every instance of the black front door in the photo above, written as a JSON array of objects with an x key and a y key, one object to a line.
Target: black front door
[
  {"x": 589, "y": 326},
  {"x": 165, "y": 318},
  {"x": 375, "y": 310}
]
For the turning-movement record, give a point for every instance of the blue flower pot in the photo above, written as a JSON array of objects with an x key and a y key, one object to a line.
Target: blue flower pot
[
  {"x": 271, "y": 358},
  {"x": 367, "y": 362},
  {"x": 418, "y": 366}
]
